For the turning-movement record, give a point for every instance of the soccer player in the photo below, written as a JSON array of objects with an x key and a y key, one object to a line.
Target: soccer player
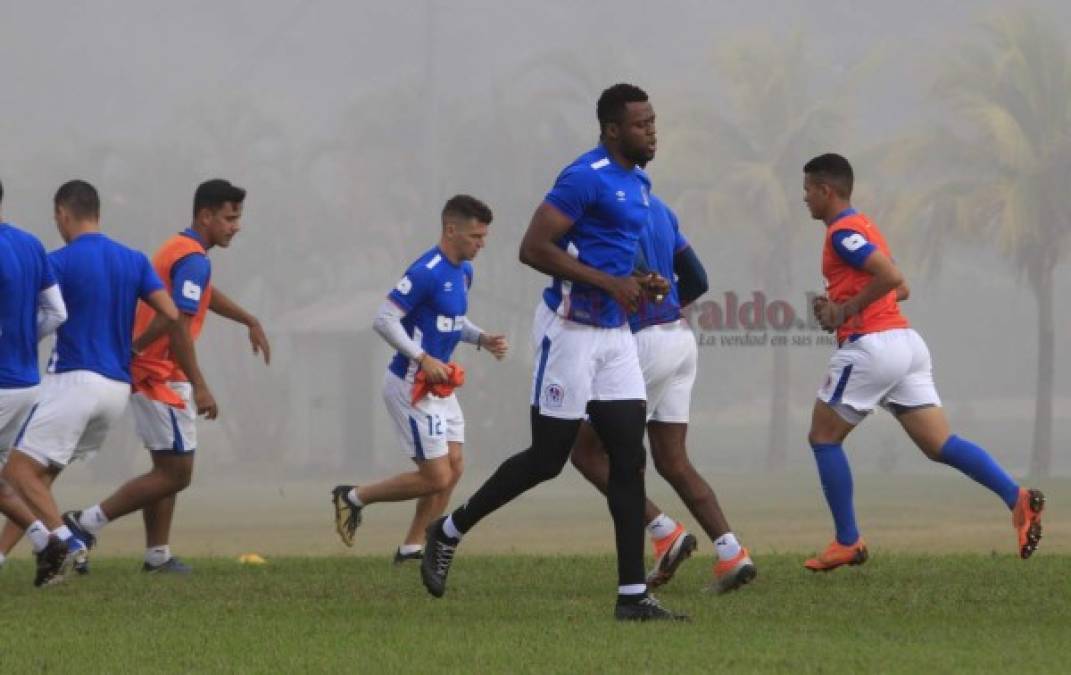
[
  {"x": 31, "y": 308},
  {"x": 584, "y": 235},
  {"x": 169, "y": 388},
  {"x": 668, "y": 356},
  {"x": 88, "y": 381},
  {"x": 880, "y": 361},
  {"x": 423, "y": 319}
]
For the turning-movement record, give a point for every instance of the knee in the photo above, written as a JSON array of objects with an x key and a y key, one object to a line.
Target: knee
[
  {"x": 441, "y": 480},
  {"x": 672, "y": 469},
  {"x": 548, "y": 470},
  {"x": 178, "y": 478}
]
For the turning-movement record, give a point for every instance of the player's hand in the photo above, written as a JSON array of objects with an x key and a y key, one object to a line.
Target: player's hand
[
  {"x": 830, "y": 315},
  {"x": 205, "y": 403},
  {"x": 496, "y": 344},
  {"x": 655, "y": 286},
  {"x": 259, "y": 339},
  {"x": 435, "y": 370},
  {"x": 626, "y": 291}
]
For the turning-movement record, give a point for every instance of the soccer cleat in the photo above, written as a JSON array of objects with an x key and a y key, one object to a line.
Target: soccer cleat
[
  {"x": 1026, "y": 518},
  {"x": 647, "y": 609},
  {"x": 837, "y": 554},
  {"x": 402, "y": 558},
  {"x": 670, "y": 552},
  {"x": 71, "y": 520},
  {"x": 50, "y": 561},
  {"x": 730, "y": 575},
  {"x": 347, "y": 516},
  {"x": 170, "y": 566},
  {"x": 439, "y": 553}
]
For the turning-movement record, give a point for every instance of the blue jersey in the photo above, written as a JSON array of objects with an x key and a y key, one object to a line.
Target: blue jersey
[
  {"x": 609, "y": 207},
  {"x": 101, "y": 281},
  {"x": 24, "y": 273},
  {"x": 434, "y": 294},
  {"x": 659, "y": 243}
]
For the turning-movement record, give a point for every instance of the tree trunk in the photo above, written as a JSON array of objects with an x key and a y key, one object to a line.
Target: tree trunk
[{"x": 1041, "y": 454}]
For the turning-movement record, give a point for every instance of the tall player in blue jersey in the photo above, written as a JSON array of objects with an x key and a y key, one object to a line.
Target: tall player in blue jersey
[
  {"x": 583, "y": 235},
  {"x": 668, "y": 356},
  {"x": 88, "y": 381},
  {"x": 424, "y": 318},
  {"x": 31, "y": 308}
]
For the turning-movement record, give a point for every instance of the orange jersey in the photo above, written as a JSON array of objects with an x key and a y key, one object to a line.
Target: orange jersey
[
  {"x": 156, "y": 362},
  {"x": 843, "y": 281}
]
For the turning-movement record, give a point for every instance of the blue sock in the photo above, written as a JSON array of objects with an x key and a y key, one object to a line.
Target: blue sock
[
  {"x": 972, "y": 460},
  {"x": 836, "y": 477}
]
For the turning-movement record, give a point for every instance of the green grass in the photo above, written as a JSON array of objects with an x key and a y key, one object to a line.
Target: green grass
[{"x": 900, "y": 613}]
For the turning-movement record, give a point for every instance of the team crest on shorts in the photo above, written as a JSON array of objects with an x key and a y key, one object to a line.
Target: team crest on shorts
[{"x": 554, "y": 395}]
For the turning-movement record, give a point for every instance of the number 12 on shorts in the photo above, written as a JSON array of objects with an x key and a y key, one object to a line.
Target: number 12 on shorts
[{"x": 435, "y": 425}]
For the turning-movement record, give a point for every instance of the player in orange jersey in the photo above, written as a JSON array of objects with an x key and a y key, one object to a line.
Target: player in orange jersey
[
  {"x": 880, "y": 361},
  {"x": 169, "y": 388}
]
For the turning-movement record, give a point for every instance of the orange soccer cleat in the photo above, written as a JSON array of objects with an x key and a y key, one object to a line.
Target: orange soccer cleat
[
  {"x": 837, "y": 554},
  {"x": 730, "y": 575},
  {"x": 1026, "y": 518},
  {"x": 670, "y": 551}
]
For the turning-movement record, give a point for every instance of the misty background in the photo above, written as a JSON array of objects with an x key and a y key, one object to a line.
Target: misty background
[{"x": 350, "y": 123}]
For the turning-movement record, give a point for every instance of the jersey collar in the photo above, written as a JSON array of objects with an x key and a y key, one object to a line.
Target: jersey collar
[
  {"x": 192, "y": 234},
  {"x": 843, "y": 214}
]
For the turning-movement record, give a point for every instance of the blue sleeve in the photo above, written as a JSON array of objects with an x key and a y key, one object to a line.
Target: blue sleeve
[
  {"x": 48, "y": 277},
  {"x": 680, "y": 242},
  {"x": 574, "y": 191},
  {"x": 189, "y": 278},
  {"x": 691, "y": 276},
  {"x": 414, "y": 288},
  {"x": 150, "y": 282},
  {"x": 852, "y": 247}
]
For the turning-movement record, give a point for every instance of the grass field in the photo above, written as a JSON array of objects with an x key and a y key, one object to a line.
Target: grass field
[{"x": 898, "y": 613}]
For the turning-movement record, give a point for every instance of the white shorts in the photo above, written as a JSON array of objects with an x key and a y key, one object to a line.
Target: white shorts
[
  {"x": 72, "y": 416},
  {"x": 669, "y": 358},
  {"x": 163, "y": 428},
  {"x": 15, "y": 405},
  {"x": 891, "y": 368},
  {"x": 576, "y": 363},
  {"x": 424, "y": 429}
]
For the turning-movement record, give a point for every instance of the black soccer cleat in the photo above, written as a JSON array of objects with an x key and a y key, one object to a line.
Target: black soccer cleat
[
  {"x": 647, "y": 609},
  {"x": 170, "y": 566},
  {"x": 439, "y": 553},
  {"x": 347, "y": 516},
  {"x": 402, "y": 558},
  {"x": 71, "y": 520},
  {"x": 50, "y": 561}
]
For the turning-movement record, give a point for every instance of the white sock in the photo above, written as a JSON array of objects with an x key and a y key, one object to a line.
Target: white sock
[
  {"x": 450, "y": 530},
  {"x": 727, "y": 546},
  {"x": 632, "y": 589},
  {"x": 93, "y": 519},
  {"x": 662, "y": 526},
  {"x": 158, "y": 555},
  {"x": 406, "y": 549},
  {"x": 352, "y": 498},
  {"x": 38, "y": 535},
  {"x": 63, "y": 533}
]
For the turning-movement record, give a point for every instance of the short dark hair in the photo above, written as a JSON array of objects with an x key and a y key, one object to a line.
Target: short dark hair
[
  {"x": 467, "y": 207},
  {"x": 833, "y": 170},
  {"x": 213, "y": 194},
  {"x": 80, "y": 199},
  {"x": 612, "y": 103}
]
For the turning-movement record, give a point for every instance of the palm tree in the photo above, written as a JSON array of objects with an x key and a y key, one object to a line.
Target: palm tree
[{"x": 1011, "y": 152}]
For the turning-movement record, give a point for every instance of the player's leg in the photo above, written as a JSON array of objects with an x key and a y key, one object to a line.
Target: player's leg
[
  {"x": 591, "y": 460},
  {"x": 430, "y": 507},
  {"x": 917, "y": 407}
]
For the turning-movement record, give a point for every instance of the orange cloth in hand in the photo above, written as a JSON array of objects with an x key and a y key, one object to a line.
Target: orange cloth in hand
[
  {"x": 421, "y": 386},
  {"x": 149, "y": 377}
]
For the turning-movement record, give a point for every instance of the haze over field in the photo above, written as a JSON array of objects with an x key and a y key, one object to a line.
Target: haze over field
[{"x": 350, "y": 123}]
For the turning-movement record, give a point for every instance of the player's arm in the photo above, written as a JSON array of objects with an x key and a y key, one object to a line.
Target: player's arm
[
  {"x": 494, "y": 343},
  {"x": 51, "y": 311},
  {"x": 691, "y": 276},
  {"x": 388, "y": 323},
  {"x": 903, "y": 292},
  {"x": 222, "y": 305},
  {"x": 539, "y": 250},
  {"x": 885, "y": 277},
  {"x": 185, "y": 354}
]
